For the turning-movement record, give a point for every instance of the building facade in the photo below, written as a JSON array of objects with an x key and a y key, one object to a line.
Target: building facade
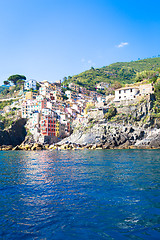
[
  {"x": 30, "y": 84},
  {"x": 126, "y": 93}
]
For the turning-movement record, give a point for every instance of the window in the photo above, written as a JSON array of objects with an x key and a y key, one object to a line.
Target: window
[
  {"x": 131, "y": 90},
  {"x": 119, "y": 91}
]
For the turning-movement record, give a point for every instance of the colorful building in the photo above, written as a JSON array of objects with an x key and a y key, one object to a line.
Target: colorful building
[{"x": 48, "y": 126}]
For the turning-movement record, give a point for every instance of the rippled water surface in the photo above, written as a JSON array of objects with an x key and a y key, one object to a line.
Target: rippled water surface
[{"x": 80, "y": 195}]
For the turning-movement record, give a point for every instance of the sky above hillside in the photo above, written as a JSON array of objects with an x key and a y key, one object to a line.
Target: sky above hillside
[{"x": 51, "y": 39}]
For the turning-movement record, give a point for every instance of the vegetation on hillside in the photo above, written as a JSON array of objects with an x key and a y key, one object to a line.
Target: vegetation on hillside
[
  {"x": 16, "y": 79},
  {"x": 157, "y": 91},
  {"x": 10, "y": 92},
  {"x": 5, "y": 121},
  {"x": 111, "y": 113},
  {"x": 5, "y": 103},
  {"x": 157, "y": 96},
  {"x": 122, "y": 72},
  {"x": 148, "y": 75},
  {"x": 7, "y": 118},
  {"x": 2, "y": 88}
]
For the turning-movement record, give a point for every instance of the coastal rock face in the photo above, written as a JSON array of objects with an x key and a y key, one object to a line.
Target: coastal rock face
[
  {"x": 134, "y": 126},
  {"x": 152, "y": 140},
  {"x": 15, "y": 135},
  {"x": 108, "y": 134},
  {"x": 111, "y": 135}
]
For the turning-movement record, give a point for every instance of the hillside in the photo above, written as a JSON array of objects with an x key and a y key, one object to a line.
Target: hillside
[
  {"x": 3, "y": 87},
  {"x": 123, "y": 72}
]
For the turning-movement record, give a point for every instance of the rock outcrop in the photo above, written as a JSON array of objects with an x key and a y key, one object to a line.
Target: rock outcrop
[
  {"x": 110, "y": 136},
  {"x": 15, "y": 135},
  {"x": 152, "y": 140},
  {"x": 134, "y": 126}
]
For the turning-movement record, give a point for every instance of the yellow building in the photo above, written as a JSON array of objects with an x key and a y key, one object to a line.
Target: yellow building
[
  {"x": 31, "y": 95},
  {"x": 57, "y": 128}
]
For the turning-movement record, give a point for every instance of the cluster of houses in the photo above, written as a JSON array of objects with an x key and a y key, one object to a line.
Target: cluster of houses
[{"x": 51, "y": 109}]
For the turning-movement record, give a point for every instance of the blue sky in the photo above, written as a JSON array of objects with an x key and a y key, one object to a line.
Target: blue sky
[{"x": 51, "y": 39}]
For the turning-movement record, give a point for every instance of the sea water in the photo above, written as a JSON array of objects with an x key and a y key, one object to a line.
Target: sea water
[{"x": 101, "y": 194}]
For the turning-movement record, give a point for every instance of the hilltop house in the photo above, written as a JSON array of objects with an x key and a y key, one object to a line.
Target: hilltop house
[
  {"x": 129, "y": 93},
  {"x": 126, "y": 93},
  {"x": 145, "y": 89}
]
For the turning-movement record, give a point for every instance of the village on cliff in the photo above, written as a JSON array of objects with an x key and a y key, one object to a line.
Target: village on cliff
[{"x": 51, "y": 110}]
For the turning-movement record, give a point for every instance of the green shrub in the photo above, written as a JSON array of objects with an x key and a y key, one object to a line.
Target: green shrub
[
  {"x": 111, "y": 113},
  {"x": 157, "y": 91}
]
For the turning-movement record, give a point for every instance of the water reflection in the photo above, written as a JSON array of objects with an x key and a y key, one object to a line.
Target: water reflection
[{"x": 79, "y": 195}]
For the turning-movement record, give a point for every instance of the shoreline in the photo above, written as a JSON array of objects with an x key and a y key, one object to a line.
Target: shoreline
[{"x": 71, "y": 147}]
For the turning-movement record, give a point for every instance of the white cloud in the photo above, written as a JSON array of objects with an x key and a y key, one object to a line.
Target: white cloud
[{"x": 122, "y": 44}]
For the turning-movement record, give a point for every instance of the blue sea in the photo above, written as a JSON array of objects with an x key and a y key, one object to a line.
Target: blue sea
[{"x": 76, "y": 195}]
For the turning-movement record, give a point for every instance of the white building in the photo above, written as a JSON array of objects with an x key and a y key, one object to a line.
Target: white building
[
  {"x": 44, "y": 91},
  {"x": 49, "y": 112},
  {"x": 30, "y": 84},
  {"x": 68, "y": 93},
  {"x": 126, "y": 93},
  {"x": 101, "y": 99},
  {"x": 45, "y": 83},
  {"x": 33, "y": 121},
  {"x": 102, "y": 86}
]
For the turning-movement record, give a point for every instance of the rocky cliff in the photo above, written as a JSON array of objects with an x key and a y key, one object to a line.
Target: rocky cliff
[
  {"x": 15, "y": 135},
  {"x": 133, "y": 126}
]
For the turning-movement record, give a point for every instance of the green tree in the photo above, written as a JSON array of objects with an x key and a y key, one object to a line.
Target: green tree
[
  {"x": 111, "y": 113},
  {"x": 37, "y": 85},
  {"x": 154, "y": 79},
  {"x": 16, "y": 78},
  {"x": 20, "y": 82},
  {"x": 140, "y": 76},
  {"x": 157, "y": 91},
  {"x": 6, "y": 82}
]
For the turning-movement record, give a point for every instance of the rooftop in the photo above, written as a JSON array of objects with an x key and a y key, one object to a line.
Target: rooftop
[{"x": 125, "y": 88}]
